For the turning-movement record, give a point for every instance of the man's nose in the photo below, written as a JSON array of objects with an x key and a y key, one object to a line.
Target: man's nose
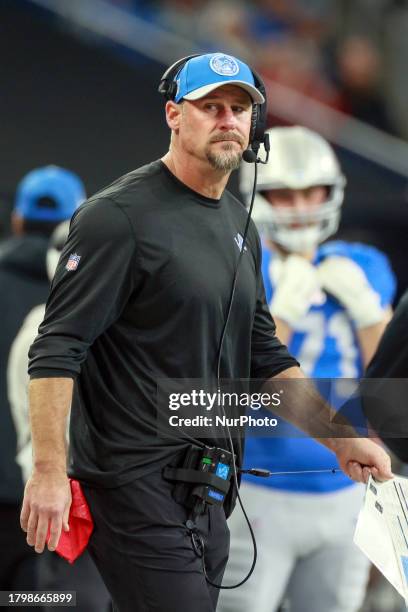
[{"x": 228, "y": 120}]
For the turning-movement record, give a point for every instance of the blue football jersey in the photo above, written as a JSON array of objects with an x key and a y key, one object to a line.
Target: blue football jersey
[{"x": 325, "y": 344}]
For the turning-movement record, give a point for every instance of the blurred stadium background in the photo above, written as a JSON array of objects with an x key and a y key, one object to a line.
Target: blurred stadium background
[
  {"x": 79, "y": 89},
  {"x": 79, "y": 82}
]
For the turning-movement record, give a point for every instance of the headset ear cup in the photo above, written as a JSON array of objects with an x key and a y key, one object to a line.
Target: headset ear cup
[
  {"x": 171, "y": 90},
  {"x": 261, "y": 122},
  {"x": 254, "y": 123},
  {"x": 168, "y": 85},
  {"x": 168, "y": 89}
]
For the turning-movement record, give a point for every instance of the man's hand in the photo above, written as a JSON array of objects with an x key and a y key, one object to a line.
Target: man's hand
[
  {"x": 346, "y": 281},
  {"x": 360, "y": 457},
  {"x": 47, "y": 500}
]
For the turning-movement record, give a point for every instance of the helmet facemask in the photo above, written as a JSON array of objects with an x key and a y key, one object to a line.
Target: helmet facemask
[{"x": 295, "y": 231}]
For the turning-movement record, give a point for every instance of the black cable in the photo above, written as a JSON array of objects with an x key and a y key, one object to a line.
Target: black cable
[
  {"x": 197, "y": 539},
  {"x": 231, "y": 446}
]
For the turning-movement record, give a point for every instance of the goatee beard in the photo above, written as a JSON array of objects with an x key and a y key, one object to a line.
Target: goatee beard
[{"x": 226, "y": 161}]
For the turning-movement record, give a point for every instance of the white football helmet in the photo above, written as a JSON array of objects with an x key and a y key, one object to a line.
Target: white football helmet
[{"x": 299, "y": 159}]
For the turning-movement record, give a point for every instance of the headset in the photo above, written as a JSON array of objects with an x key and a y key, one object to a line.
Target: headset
[{"x": 168, "y": 88}]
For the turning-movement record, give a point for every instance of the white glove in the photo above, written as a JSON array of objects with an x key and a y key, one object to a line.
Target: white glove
[
  {"x": 296, "y": 284},
  {"x": 346, "y": 281}
]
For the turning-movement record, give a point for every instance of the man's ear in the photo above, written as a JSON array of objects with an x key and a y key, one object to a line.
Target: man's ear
[{"x": 173, "y": 115}]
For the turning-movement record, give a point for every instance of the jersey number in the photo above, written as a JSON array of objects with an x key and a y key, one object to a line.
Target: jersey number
[{"x": 317, "y": 330}]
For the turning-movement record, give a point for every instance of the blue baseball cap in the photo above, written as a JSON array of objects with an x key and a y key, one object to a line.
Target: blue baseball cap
[
  {"x": 49, "y": 194},
  {"x": 201, "y": 75}
]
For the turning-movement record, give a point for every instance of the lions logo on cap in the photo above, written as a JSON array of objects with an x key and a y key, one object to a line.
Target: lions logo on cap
[{"x": 224, "y": 65}]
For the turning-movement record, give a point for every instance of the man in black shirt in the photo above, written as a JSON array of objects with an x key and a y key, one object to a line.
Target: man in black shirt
[{"x": 141, "y": 294}]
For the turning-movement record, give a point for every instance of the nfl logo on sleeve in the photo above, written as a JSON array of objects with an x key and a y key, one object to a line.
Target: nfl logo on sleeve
[{"x": 73, "y": 262}]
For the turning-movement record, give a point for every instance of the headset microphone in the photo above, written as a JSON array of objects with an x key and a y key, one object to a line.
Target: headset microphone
[{"x": 250, "y": 155}]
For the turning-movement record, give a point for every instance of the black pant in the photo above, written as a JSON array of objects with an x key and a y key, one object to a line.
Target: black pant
[{"x": 144, "y": 552}]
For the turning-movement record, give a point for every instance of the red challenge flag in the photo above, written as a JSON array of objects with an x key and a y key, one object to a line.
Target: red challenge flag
[{"x": 72, "y": 543}]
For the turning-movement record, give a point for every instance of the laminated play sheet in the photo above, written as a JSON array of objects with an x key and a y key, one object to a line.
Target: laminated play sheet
[{"x": 382, "y": 530}]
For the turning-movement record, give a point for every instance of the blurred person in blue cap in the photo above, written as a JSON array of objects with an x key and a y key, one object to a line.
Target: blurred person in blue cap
[
  {"x": 141, "y": 293},
  {"x": 45, "y": 197}
]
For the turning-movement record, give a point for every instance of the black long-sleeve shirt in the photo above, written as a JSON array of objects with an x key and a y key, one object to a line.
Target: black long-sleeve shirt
[{"x": 148, "y": 300}]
